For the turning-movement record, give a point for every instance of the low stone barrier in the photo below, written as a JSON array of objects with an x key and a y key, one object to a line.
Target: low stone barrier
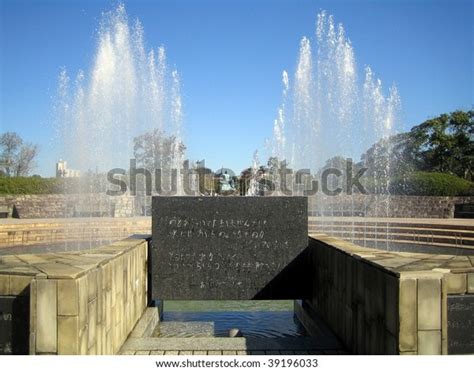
[
  {"x": 99, "y": 204},
  {"x": 381, "y": 302},
  {"x": 16, "y": 232},
  {"x": 71, "y": 205},
  {"x": 385, "y": 206},
  {"x": 437, "y": 236},
  {"x": 80, "y": 302}
]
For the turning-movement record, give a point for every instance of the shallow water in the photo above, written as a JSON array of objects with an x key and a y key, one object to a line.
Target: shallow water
[{"x": 271, "y": 319}]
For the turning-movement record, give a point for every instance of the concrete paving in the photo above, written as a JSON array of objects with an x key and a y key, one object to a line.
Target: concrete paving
[{"x": 224, "y": 346}]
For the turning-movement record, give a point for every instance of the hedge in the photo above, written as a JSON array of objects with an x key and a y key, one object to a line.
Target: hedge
[
  {"x": 413, "y": 184},
  {"x": 30, "y": 185},
  {"x": 431, "y": 184},
  {"x": 36, "y": 185}
]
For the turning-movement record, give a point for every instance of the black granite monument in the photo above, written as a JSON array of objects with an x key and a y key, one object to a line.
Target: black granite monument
[
  {"x": 14, "y": 324},
  {"x": 460, "y": 324},
  {"x": 229, "y": 248}
]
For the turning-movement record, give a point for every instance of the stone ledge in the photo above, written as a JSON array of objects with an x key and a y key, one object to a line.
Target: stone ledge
[
  {"x": 147, "y": 323},
  {"x": 80, "y": 302},
  {"x": 206, "y": 344},
  {"x": 67, "y": 264},
  {"x": 401, "y": 262}
]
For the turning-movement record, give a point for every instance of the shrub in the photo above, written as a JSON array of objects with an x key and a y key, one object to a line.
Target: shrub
[
  {"x": 431, "y": 184},
  {"x": 36, "y": 185},
  {"x": 30, "y": 185}
]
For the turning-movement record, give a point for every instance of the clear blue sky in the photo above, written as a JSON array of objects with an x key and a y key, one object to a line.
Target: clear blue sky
[{"x": 230, "y": 55}]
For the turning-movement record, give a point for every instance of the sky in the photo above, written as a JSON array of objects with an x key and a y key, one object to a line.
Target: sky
[{"x": 230, "y": 55}]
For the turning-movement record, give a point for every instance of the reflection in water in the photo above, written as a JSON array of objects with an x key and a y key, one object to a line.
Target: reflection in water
[{"x": 273, "y": 319}]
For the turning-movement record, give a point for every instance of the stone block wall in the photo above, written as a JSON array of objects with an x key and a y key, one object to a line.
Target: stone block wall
[
  {"x": 357, "y": 300},
  {"x": 82, "y": 302},
  {"x": 423, "y": 321},
  {"x": 380, "y": 302},
  {"x": 385, "y": 206},
  {"x": 423, "y": 307},
  {"x": 65, "y": 206},
  {"x": 37, "y": 206},
  {"x": 70, "y": 205}
]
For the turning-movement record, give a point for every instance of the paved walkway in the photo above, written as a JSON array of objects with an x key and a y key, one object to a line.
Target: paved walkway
[{"x": 229, "y": 346}]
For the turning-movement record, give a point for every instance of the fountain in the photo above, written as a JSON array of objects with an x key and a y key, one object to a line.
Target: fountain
[
  {"x": 327, "y": 110},
  {"x": 230, "y": 248},
  {"x": 254, "y": 189},
  {"x": 128, "y": 91}
]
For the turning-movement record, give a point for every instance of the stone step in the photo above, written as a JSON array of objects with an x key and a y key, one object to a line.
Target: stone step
[
  {"x": 454, "y": 224},
  {"x": 464, "y": 242},
  {"x": 225, "y": 344},
  {"x": 398, "y": 229},
  {"x": 231, "y": 352}
]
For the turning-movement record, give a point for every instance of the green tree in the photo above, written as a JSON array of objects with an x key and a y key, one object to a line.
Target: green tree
[
  {"x": 445, "y": 144},
  {"x": 442, "y": 144}
]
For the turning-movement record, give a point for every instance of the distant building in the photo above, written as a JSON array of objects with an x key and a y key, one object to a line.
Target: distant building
[{"x": 63, "y": 172}]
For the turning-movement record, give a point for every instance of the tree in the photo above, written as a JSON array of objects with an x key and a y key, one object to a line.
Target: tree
[
  {"x": 446, "y": 144},
  {"x": 392, "y": 156},
  {"x": 338, "y": 164},
  {"x": 10, "y": 143},
  {"x": 18, "y": 157},
  {"x": 154, "y": 150},
  {"x": 443, "y": 144},
  {"x": 25, "y": 159}
]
